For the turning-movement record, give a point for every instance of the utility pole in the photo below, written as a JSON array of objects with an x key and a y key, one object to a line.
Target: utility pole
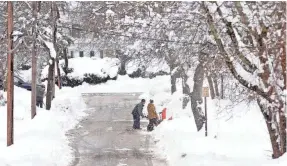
[
  {"x": 34, "y": 62},
  {"x": 10, "y": 76}
]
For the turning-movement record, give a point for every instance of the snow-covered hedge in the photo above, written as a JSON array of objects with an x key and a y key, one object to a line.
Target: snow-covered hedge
[
  {"x": 85, "y": 69},
  {"x": 151, "y": 69}
]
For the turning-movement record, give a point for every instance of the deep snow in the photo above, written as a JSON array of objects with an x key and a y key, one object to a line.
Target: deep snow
[{"x": 40, "y": 141}]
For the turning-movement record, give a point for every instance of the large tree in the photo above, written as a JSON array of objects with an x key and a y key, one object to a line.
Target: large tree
[{"x": 253, "y": 45}]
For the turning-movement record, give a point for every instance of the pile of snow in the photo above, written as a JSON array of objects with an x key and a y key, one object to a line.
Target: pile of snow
[
  {"x": 41, "y": 141},
  {"x": 103, "y": 68},
  {"x": 236, "y": 136}
]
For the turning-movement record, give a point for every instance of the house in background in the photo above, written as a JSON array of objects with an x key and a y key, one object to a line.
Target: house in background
[
  {"x": 90, "y": 50},
  {"x": 86, "y": 47}
]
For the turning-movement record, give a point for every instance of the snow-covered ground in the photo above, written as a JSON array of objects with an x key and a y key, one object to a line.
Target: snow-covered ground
[
  {"x": 236, "y": 138},
  {"x": 40, "y": 141}
]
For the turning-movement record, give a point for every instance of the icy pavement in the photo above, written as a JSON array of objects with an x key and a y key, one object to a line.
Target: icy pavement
[{"x": 105, "y": 138}]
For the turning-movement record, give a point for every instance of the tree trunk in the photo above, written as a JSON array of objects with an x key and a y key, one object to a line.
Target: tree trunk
[
  {"x": 65, "y": 53},
  {"x": 209, "y": 79},
  {"x": 196, "y": 96},
  {"x": 273, "y": 134},
  {"x": 173, "y": 76},
  {"x": 282, "y": 125},
  {"x": 173, "y": 83},
  {"x": 101, "y": 54},
  {"x": 214, "y": 78},
  {"x": 58, "y": 73},
  {"x": 185, "y": 89},
  {"x": 50, "y": 83},
  {"x": 34, "y": 63},
  {"x": 222, "y": 90},
  {"x": 122, "y": 69},
  {"x": 54, "y": 81},
  {"x": 55, "y": 30},
  {"x": 277, "y": 130}
]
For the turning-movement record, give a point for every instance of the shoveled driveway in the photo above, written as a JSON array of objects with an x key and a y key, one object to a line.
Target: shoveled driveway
[{"x": 105, "y": 137}]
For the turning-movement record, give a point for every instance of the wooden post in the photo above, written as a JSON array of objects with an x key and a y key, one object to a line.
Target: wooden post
[
  {"x": 205, "y": 108},
  {"x": 222, "y": 90},
  {"x": 10, "y": 76},
  {"x": 205, "y": 93},
  {"x": 34, "y": 63}
]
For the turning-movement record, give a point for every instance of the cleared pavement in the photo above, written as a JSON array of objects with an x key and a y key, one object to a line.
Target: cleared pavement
[{"x": 105, "y": 137}]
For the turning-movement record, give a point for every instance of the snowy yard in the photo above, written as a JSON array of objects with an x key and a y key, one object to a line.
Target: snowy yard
[
  {"x": 40, "y": 141},
  {"x": 168, "y": 52}
]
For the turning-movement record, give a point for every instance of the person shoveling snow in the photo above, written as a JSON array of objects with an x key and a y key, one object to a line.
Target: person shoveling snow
[
  {"x": 152, "y": 116},
  {"x": 137, "y": 113}
]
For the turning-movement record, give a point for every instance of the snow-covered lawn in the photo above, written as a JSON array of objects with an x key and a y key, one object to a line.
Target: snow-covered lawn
[
  {"x": 232, "y": 141},
  {"x": 40, "y": 141}
]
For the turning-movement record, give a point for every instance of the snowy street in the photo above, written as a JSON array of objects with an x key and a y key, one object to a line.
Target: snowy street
[
  {"x": 143, "y": 83},
  {"x": 105, "y": 138}
]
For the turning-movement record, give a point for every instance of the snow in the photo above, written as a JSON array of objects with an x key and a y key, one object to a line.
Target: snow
[
  {"x": 26, "y": 75},
  {"x": 51, "y": 48},
  {"x": 109, "y": 12},
  {"x": 235, "y": 137},
  {"x": 84, "y": 65},
  {"x": 41, "y": 141},
  {"x": 17, "y": 33},
  {"x": 154, "y": 66}
]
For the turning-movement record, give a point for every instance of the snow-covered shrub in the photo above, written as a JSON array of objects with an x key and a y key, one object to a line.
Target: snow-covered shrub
[
  {"x": 152, "y": 69},
  {"x": 85, "y": 69},
  {"x": 136, "y": 74}
]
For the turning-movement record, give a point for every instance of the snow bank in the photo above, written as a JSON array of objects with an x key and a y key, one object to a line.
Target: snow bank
[
  {"x": 84, "y": 65},
  {"x": 235, "y": 137},
  {"x": 40, "y": 141}
]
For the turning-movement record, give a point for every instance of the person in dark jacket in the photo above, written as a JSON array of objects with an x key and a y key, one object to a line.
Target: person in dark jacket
[{"x": 137, "y": 113}]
